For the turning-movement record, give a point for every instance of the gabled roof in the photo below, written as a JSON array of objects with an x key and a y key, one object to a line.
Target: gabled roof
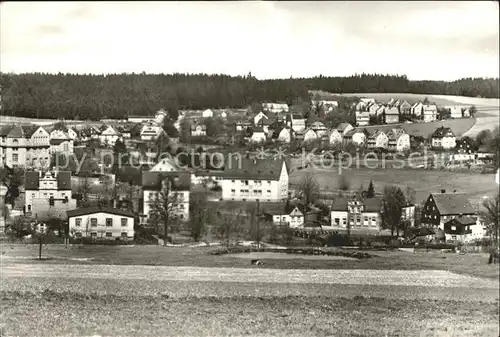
[
  {"x": 318, "y": 125},
  {"x": 5, "y": 130},
  {"x": 22, "y": 131},
  {"x": 32, "y": 180},
  {"x": 464, "y": 220},
  {"x": 297, "y": 116},
  {"x": 416, "y": 104},
  {"x": 453, "y": 203},
  {"x": 259, "y": 169},
  {"x": 181, "y": 181},
  {"x": 93, "y": 210},
  {"x": 352, "y": 132},
  {"x": 59, "y": 141},
  {"x": 442, "y": 132},
  {"x": 395, "y": 133},
  {"x": 392, "y": 111},
  {"x": 342, "y": 126},
  {"x": 375, "y": 134},
  {"x": 258, "y": 129}
]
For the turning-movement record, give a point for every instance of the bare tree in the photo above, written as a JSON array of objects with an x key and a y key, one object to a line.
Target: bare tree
[
  {"x": 308, "y": 188},
  {"x": 227, "y": 227},
  {"x": 163, "y": 208},
  {"x": 410, "y": 195},
  {"x": 200, "y": 215},
  {"x": 491, "y": 215}
]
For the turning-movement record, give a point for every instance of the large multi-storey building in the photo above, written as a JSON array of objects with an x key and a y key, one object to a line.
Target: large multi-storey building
[
  {"x": 24, "y": 146},
  {"x": 171, "y": 187},
  {"x": 359, "y": 215},
  {"x": 48, "y": 194},
  {"x": 255, "y": 179}
]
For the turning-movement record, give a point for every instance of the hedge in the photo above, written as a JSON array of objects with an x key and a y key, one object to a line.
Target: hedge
[{"x": 302, "y": 251}]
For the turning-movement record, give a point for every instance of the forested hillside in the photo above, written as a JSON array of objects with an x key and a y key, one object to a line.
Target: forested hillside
[{"x": 120, "y": 95}]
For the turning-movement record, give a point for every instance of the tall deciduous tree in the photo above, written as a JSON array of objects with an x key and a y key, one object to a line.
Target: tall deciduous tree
[
  {"x": 491, "y": 216},
  {"x": 200, "y": 215},
  {"x": 393, "y": 202},
  {"x": 308, "y": 188},
  {"x": 163, "y": 208}
]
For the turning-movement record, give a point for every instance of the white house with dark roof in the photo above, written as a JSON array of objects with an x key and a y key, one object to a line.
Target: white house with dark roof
[
  {"x": 335, "y": 137},
  {"x": 198, "y": 130},
  {"x": 259, "y": 117},
  {"x": 109, "y": 135},
  {"x": 392, "y": 115},
  {"x": 258, "y": 135},
  {"x": 255, "y": 179},
  {"x": 178, "y": 185},
  {"x": 101, "y": 223},
  {"x": 298, "y": 122},
  {"x": 443, "y": 138},
  {"x": 343, "y": 128},
  {"x": 278, "y": 214},
  {"x": 285, "y": 135},
  {"x": 319, "y": 128},
  {"x": 151, "y": 131},
  {"x": 429, "y": 113},
  {"x": 363, "y": 216},
  {"x": 356, "y": 136},
  {"x": 416, "y": 109},
  {"x": 48, "y": 194},
  {"x": 310, "y": 135}
]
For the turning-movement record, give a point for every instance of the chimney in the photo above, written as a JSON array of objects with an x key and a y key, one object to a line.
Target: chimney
[{"x": 443, "y": 191}]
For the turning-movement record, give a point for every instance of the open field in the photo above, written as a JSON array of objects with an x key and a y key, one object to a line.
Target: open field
[
  {"x": 116, "y": 294},
  {"x": 471, "y": 264},
  {"x": 422, "y": 181},
  {"x": 321, "y": 315}
]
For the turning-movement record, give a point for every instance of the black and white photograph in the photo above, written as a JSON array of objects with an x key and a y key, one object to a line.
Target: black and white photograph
[{"x": 249, "y": 168}]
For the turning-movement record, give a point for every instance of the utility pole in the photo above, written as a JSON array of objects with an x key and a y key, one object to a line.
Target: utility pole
[{"x": 258, "y": 225}]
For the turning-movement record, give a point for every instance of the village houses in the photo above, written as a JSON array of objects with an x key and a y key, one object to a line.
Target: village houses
[
  {"x": 362, "y": 118},
  {"x": 355, "y": 136},
  {"x": 258, "y": 118},
  {"x": 343, "y": 128},
  {"x": 429, "y": 113},
  {"x": 335, "y": 137},
  {"x": 101, "y": 223},
  {"x": 399, "y": 140},
  {"x": 405, "y": 108},
  {"x": 443, "y": 138},
  {"x": 151, "y": 131},
  {"x": 60, "y": 142},
  {"x": 363, "y": 216},
  {"x": 392, "y": 115},
  {"x": 417, "y": 109},
  {"x": 275, "y": 107},
  {"x": 279, "y": 214},
  {"x": 255, "y": 179},
  {"x": 173, "y": 186},
  {"x": 455, "y": 111},
  {"x": 258, "y": 135},
  {"x": 378, "y": 140},
  {"x": 297, "y": 122},
  {"x": 285, "y": 135},
  {"x": 319, "y": 128},
  {"x": 24, "y": 146},
  {"x": 310, "y": 135},
  {"x": 48, "y": 194},
  {"x": 109, "y": 135},
  {"x": 198, "y": 130}
]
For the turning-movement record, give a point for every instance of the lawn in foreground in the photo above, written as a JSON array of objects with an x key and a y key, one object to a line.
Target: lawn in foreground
[
  {"x": 471, "y": 264},
  {"x": 82, "y": 315}
]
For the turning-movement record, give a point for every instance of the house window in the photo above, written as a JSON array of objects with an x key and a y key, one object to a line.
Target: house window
[
  {"x": 109, "y": 222},
  {"x": 181, "y": 206},
  {"x": 15, "y": 157},
  {"x": 337, "y": 221},
  {"x": 233, "y": 191},
  {"x": 124, "y": 221},
  {"x": 232, "y": 181},
  {"x": 109, "y": 234},
  {"x": 78, "y": 222},
  {"x": 93, "y": 222},
  {"x": 93, "y": 235},
  {"x": 29, "y": 208},
  {"x": 182, "y": 216}
]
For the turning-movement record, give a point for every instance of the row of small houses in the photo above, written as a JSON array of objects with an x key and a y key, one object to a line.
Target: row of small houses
[{"x": 394, "y": 109}]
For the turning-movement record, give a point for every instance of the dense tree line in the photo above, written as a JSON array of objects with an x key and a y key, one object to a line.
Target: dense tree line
[{"x": 121, "y": 95}]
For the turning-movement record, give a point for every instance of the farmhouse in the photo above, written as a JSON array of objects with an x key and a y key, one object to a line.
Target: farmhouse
[
  {"x": 378, "y": 140},
  {"x": 173, "y": 187},
  {"x": 258, "y": 135},
  {"x": 278, "y": 213},
  {"x": 399, "y": 140},
  {"x": 356, "y": 136},
  {"x": 360, "y": 215},
  {"x": 25, "y": 146},
  {"x": 455, "y": 111},
  {"x": 108, "y": 135},
  {"x": 443, "y": 138},
  {"x": 335, "y": 137},
  {"x": 343, "y": 128},
  {"x": 151, "y": 131},
  {"x": 442, "y": 207},
  {"x": 405, "y": 108},
  {"x": 298, "y": 122},
  {"x": 319, "y": 128},
  {"x": 198, "y": 129},
  {"x": 285, "y": 135},
  {"x": 362, "y": 118},
  {"x": 417, "y": 109},
  {"x": 258, "y": 179},
  {"x": 101, "y": 223},
  {"x": 207, "y": 114},
  {"x": 258, "y": 117},
  {"x": 464, "y": 229},
  {"x": 429, "y": 113},
  {"x": 48, "y": 195},
  {"x": 310, "y": 135},
  {"x": 392, "y": 115},
  {"x": 465, "y": 150}
]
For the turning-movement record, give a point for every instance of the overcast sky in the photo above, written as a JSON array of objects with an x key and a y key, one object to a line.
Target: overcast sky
[{"x": 424, "y": 40}]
